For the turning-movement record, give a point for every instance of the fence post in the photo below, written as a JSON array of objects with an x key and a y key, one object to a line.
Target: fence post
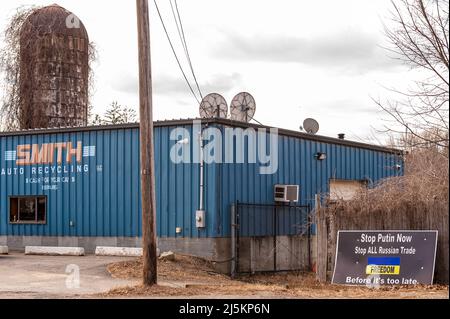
[
  {"x": 233, "y": 241},
  {"x": 238, "y": 236},
  {"x": 322, "y": 245},
  {"x": 275, "y": 231},
  {"x": 309, "y": 225}
]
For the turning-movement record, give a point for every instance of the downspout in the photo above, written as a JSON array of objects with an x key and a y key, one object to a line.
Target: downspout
[
  {"x": 200, "y": 217},
  {"x": 202, "y": 169}
]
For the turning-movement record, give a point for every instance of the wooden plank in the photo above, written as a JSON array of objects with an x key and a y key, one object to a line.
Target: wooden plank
[{"x": 322, "y": 235}]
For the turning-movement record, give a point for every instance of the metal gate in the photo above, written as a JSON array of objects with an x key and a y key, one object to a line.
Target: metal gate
[{"x": 270, "y": 238}]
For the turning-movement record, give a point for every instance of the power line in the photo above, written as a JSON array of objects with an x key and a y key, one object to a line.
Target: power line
[
  {"x": 175, "y": 54},
  {"x": 258, "y": 122},
  {"x": 178, "y": 27},
  {"x": 183, "y": 40}
]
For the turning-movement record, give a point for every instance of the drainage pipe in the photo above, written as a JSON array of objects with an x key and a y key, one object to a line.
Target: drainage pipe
[{"x": 202, "y": 169}]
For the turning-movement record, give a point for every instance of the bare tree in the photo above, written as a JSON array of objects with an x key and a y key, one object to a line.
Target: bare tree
[
  {"x": 419, "y": 35},
  {"x": 115, "y": 114},
  {"x": 10, "y": 67},
  {"x": 95, "y": 120},
  {"x": 128, "y": 115}
]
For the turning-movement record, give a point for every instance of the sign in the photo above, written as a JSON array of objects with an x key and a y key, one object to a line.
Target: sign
[
  {"x": 376, "y": 258},
  {"x": 49, "y": 165}
]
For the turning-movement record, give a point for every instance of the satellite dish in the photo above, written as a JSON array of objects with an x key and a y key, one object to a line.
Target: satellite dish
[
  {"x": 243, "y": 107},
  {"x": 213, "y": 106},
  {"x": 311, "y": 126}
]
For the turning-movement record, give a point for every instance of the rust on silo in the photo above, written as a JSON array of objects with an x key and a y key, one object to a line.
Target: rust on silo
[{"x": 54, "y": 70}]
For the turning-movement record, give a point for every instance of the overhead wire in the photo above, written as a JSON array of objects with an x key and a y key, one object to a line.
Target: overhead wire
[
  {"x": 184, "y": 42},
  {"x": 174, "y": 52},
  {"x": 258, "y": 122},
  {"x": 178, "y": 27}
]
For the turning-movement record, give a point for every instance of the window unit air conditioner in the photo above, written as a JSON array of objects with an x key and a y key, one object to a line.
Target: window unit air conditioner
[{"x": 286, "y": 193}]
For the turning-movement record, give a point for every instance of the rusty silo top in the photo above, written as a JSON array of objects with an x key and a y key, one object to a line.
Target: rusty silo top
[
  {"x": 54, "y": 69},
  {"x": 53, "y": 19}
]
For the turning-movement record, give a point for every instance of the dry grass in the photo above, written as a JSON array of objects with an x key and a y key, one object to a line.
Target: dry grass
[
  {"x": 424, "y": 184},
  {"x": 205, "y": 283},
  {"x": 416, "y": 201},
  {"x": 184, "y": 268}
]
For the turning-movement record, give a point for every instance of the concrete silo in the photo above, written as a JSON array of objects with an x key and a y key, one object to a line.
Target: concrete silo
[{"x": 54, "y": 70}]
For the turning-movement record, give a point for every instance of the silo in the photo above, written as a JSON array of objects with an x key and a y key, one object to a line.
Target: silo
[{"x": 54, "y": 70}]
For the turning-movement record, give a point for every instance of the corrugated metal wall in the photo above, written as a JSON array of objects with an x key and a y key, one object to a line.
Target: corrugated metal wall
[
  {"x": 178, "y": 187},
  {"x": 298, "y": 166},
  {"x": 106, "y": 200},
  {"x": 101, "y": 202}
]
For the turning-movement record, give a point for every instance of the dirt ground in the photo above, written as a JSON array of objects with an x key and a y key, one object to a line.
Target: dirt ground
[{"x": 193, "y": 277}]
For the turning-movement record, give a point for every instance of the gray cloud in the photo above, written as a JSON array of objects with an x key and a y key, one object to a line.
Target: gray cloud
[
  {"x": 220, "y": 83},
  {"x": 176, "y": 86},
  {"x": 168, "y": 85},
  {"x": 182, "y": 102},
  {"x": 126, "y": 83},
  {"x": 349, "y": 106},
  {"x": 352, "y": 50}
]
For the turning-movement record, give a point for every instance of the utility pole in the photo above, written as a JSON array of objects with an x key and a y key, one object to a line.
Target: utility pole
[{"x": 146, "y": 142}]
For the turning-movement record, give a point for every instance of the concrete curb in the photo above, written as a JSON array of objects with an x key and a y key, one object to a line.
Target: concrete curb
[
  {"x": 4, "y": 250},
  {"x": 54, "y": 251},
  {"x": 121, "y": 251},
  {"x": 118, "y": 251}
]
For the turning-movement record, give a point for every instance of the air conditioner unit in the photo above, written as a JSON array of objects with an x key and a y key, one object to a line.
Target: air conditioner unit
[{"x": 286, "y": 193}]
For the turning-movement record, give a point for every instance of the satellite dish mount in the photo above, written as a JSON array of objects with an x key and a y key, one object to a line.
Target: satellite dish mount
[
  {"x": 243, "y": 107},
  {"x": 311, "y": 126},
  {"x": 213, "y": 106}
]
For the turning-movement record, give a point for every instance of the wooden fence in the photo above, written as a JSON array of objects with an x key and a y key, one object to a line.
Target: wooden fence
[{"x": 408, "y": 217}]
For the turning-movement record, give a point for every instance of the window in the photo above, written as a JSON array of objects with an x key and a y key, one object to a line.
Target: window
[
  {"x": 27, "y": 210},
  {"x": 345, "y": 189}
]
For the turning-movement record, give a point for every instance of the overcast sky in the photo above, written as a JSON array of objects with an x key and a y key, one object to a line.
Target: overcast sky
[{"x": 320, "y": 59}]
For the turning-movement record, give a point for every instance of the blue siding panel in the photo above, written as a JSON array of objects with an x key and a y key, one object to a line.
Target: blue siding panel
[
  {"x": 105, "y": 201},
  {"x": 101, "y": 202},
  {"x": 299, "y": 166}
]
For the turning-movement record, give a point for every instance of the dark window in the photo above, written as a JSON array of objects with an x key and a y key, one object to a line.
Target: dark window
[{"x": 28, "y": 210}]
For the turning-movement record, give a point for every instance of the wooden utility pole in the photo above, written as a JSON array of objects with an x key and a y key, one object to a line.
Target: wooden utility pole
[{"x": 146, "y": 140}]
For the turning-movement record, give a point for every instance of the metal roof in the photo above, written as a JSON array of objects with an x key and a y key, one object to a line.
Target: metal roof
[{"x": 226, "y": 122}]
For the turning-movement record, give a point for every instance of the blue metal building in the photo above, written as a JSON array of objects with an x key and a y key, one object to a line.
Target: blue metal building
[{"x": 83, "y": 183}]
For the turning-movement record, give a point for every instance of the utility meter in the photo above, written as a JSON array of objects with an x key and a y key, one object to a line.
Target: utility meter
[{"x": 200, "y": 219}]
